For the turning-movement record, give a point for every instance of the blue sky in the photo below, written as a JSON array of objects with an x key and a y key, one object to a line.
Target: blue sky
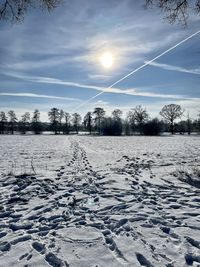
[{"x": 52, "y": 59}]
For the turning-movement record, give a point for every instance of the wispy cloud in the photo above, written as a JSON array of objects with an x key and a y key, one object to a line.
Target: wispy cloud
[
  {"x": 98, "y": 77},
  {"x": 39, "y": 96},
  {"x": 130, "y": 91},
  {"x": 32, "y": 64},
  {"x": 175, "y": 68}
]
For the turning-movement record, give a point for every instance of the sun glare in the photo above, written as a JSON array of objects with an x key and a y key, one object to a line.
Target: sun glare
[{"x": 106, "y": 60}]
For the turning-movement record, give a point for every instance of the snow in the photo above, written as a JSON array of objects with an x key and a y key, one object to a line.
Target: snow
[{"x": 89, "y": 201}]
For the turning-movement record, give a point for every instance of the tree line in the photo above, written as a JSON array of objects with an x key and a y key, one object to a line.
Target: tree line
[{"x": 136, "y": 121}]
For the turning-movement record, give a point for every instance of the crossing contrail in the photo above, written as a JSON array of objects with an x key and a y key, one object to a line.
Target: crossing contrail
[{"x": 139, "y": 68}]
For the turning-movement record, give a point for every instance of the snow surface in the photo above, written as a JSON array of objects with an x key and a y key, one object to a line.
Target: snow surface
[{"x": 84, "y": 201}]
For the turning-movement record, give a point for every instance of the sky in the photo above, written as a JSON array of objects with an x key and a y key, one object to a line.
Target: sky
[{"x": 53, "y": 59}]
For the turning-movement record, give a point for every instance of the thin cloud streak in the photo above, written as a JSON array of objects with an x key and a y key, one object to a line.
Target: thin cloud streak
[
  {"x": 39, "y": 96},
  {"x": 131, "y": 91},
  {"x": 175, "y": 68}
]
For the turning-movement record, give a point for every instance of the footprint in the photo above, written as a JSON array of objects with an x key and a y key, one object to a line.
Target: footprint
[
  {"x": 23, "y": 256},
  {"x": 113, "y": 247},
  {"x": 29, "y": 257},
  {"x": 143, "y": 261},
  {"x": 54, "y": 261},
  {"x": 5, "y": 246},
  {"x": 193, "y": 242},
  {"x": 38, "y": 246},
  {"x": 190, "y": 258},
  {"x": 19, "y": 239}
]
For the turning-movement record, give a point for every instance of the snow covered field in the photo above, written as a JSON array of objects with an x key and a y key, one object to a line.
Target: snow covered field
[{"x": 84, "y": 201}]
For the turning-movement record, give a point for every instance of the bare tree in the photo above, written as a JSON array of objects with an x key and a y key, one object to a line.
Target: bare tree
[
  {"x": 23, "y": 124},
  {"x": 14, "y": 10},
  {"x": 61, "y": 116},
  {"x": 88, "y": 122},
  {"x": 3, "y": 120},
  {"x": 76, "y": 120},
  {"x": 54, "y": 116},
  {"x": 176, "y": 10},
  {"x": 140, "y": 116},
  {"x": 99, "y": 114},
  {"x": 117, "y": 122},
  {"x": 129, "y": 123},
  {"x": 12, "y": 120},
  {"x": 66, "y": 127},
  {"x": 170, "y": 113},
  {"x": 36, "y": 125},
  {"x": 117, "y": 113},
  {"x": 189, "y": 124},
  {"x": 198, "y": 122}
]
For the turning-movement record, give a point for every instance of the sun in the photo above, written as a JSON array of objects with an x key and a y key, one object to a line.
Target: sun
[{"x": 106, "y": 60}]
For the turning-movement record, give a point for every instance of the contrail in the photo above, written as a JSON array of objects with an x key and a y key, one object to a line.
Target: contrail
[{"x": 139, "y": 68}]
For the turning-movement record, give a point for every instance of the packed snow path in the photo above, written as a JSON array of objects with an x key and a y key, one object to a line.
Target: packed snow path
[{"x": 119, "y": 215}]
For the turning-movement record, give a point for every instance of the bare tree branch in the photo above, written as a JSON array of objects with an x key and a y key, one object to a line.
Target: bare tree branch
[
  {"x": 176, "y": 10},
  {"x": 14, "y": 10}
]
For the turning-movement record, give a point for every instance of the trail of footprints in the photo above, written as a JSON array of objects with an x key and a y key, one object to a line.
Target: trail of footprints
[{"x": 74, "y": 199}]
